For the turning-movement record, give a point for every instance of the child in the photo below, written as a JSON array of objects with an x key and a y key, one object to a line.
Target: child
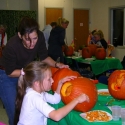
[
  {"x": 91, "y": 39},
  {"x": 33, "y": 83},
  {"x": 100, "y": 41}
]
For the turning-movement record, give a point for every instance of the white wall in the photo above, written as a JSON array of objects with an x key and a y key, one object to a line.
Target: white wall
[
  {"x": 14, "y": 4},
  {"x": 34, "y": 5},
  {"x": 99, "y": 13},
  {"x": 68, "y": 6},
  {"x": 100, "y": 19}
]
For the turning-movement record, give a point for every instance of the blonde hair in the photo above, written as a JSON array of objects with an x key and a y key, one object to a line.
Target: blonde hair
[
  {"x": 99, "y": 33},
  {"x": 62, "y": 20}
]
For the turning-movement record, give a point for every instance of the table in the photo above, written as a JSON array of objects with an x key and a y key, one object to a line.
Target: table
[
  {"x": 73, "y": 117},
  {"x": 99, "y": 66}
]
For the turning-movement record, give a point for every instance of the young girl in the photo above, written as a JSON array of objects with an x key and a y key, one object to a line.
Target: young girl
[
  {"x": 99, "y": 38},
  {"x": 33, "y": 83}
]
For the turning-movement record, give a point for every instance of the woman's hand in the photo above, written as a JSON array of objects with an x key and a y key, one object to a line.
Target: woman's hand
[
  {"x": 61, "y": 65},
  {"x": 67, "y": 78},
  {"x": 82, "y": 98}
]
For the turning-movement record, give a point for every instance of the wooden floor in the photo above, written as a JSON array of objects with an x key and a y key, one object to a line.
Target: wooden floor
[{"x": 3, "y": 115}]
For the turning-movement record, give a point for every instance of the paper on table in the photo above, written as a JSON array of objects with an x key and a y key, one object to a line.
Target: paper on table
[
  {"x": 74, "y": 57},
  {"x": 110, "y": 57},
  {"x": 104, "y": 92},
  {"x": 90, "y": 59},
  {"x": 83, "y": 115}
]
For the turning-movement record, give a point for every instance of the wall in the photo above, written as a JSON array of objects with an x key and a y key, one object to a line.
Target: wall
[
  {"x": 100, "y": 19},
  {"x": 68, "y": 6},
  {"x": 99, "y": 13},
  {"x": 15, "y": 4},
  {"x": 34, "y": 6}
]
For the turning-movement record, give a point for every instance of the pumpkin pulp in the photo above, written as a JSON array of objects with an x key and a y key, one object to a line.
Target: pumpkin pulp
[{"x": 66, "y": 89}]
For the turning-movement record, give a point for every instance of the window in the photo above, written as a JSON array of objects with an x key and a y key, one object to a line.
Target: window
[{"x": 117, "y": 26}]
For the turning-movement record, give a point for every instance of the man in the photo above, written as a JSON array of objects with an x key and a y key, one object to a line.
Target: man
[{"x": 47, "y": 30}]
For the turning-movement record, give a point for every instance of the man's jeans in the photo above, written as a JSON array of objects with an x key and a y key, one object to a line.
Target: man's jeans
[{"x": 8, "y": 93}]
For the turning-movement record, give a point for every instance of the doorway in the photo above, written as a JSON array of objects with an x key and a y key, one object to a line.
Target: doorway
[
  {"x": 81, "y": 27},
  {"x": 52, "y": 14}
]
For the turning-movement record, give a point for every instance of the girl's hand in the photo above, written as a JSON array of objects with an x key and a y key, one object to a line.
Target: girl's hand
[
  {"x": 82, "y": 98},
  {"x": 65, "y": 79}
]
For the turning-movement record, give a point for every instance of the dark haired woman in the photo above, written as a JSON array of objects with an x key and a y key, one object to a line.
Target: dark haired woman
[{"x": 20, "y": 50}]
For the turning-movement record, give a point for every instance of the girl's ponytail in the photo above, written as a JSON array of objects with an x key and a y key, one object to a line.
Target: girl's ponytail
[
  {"x": 20, "y": 94},
  {"x": 34, "y": 71}
]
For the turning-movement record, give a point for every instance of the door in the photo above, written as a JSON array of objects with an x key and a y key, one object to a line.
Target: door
[
  {"x": 81, "y": 27},
  {"x": 52, "y": 14}
]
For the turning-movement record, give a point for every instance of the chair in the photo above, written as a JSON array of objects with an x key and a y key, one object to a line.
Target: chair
[{"x": 103, "y": 79}]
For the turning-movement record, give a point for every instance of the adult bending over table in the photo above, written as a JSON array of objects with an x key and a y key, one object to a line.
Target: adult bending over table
[
  {"x": 56, "y": 39},
  {"x": 20, "y": 50}
]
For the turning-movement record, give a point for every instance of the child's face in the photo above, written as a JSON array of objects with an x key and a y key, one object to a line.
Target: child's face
[
  {"x": 47, "y": 82},
  {"x": 97, "y": 37}
]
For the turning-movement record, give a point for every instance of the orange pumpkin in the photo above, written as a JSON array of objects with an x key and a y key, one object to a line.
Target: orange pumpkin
[
  {"x": 72, "y": 89},
  {"x": 86, "y": 52},
  {"x": 93, "y": 48},
  {"x": 53, "y": 70},
  {"x": 61, "y": 73},
  {"x": 69, "y": 51},
  {"x": 100, "y": 53},
  {"x": 116, "y": 84}
]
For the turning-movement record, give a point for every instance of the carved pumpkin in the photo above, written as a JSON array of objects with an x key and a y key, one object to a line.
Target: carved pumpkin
[
  {"x": 86, "y": 52},
  {"x": 93, "y": 48},
  {"x": 72, "y": 89},
  {"x": 53, "y": 70},
  {"x": 100, "y": 53},
  {"x": 61, "y": 73},
  {"x": 68, "y": 51},
  {"x": 116, "y": 84}
]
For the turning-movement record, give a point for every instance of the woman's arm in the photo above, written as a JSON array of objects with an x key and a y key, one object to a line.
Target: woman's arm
[
  {"x": 15, "y": 73},
  {"x": 52, "y": 63},
  {"x": 62, "y": 37}
]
